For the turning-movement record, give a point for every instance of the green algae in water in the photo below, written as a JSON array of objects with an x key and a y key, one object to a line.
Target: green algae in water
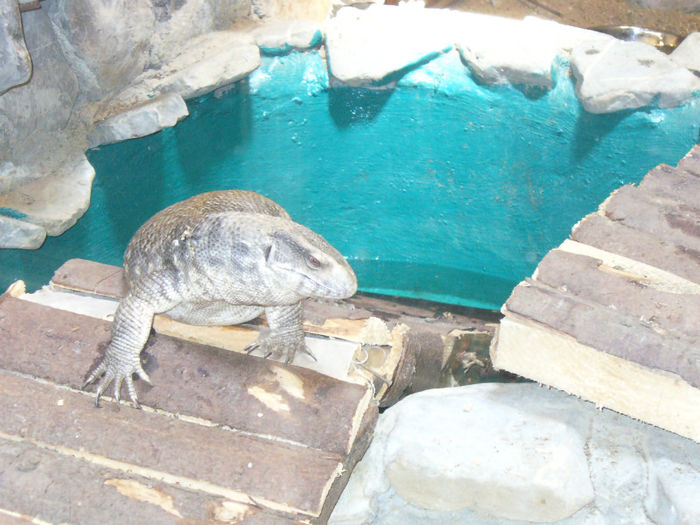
[{"x": 440, "y": 189}]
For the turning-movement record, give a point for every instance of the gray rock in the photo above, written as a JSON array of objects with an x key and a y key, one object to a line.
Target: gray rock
[
  {"x": 55, "y": 198},
  {"x": 151, "y": 116},
  {"x": 21, "y": 235},
  {"x": 44, "y": 103},
  {"x": 184, "y": 20},
  {"x": 495, "y": 453},
  {"x": 15, "y": 63},
  {"x": 105, "y": 43},
  {"x": 621, "y": 75},
  {"x": 689, "y": 6},
  {"x": 281, "y": 36},
  {"x": 207, "y": 63},
  {"x": 688, "y": 53}
]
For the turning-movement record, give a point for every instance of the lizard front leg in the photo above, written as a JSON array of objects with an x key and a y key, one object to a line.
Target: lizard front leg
[
  {"x": 130, "y": 330},
  {"x": 286, "y": 335}
]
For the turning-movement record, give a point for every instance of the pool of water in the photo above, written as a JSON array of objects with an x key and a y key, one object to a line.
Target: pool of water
[{"x": 441, "y": 188}]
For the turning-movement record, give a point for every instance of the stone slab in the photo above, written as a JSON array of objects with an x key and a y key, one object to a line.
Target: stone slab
[
  {"x": 19, "y": 234},
  {"x": 496, "y": 440},
  {"x": 687, "y": 54},
  {"x": 617, "y": 75},
  {"x": 371, "y": 46},
  {"x": 279, "y": 36},
  {"x": 55, "y": 199},
  {"x": 149, "y": 117}
]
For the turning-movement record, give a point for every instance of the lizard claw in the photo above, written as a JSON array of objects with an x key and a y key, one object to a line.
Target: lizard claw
[
  {"x": 111, "y": 371},
  {"x": 278, "y": 347}
]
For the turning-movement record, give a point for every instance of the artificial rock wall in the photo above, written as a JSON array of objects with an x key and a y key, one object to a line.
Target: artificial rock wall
[{"x": 63, "y": 65}]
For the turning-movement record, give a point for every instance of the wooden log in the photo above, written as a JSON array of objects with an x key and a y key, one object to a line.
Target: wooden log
[
  {"x": 614, "y": 237},
  {"x": 44, "y": 483},
  {"x": 612, "y": 315},
  {"x": 401, "y": 348},
  {"x": 244, "y": 431},
  {"x": 667, "y": 219}
]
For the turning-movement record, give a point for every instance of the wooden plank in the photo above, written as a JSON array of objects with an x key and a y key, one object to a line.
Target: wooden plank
[
  {"x": 243, "y": 392},
  {"x": 552, "y": 358},
  {"x": 627, "y": 293},
  {"x": 615, "y": 237},
  {"x": 691, "y": 162},
  {"x": 413, "y": 358},
  {"x": 48, "y": 486},
  {"x": 606, "y": 330},
  {"x": 243, "y": 468},
  {"x": 673, "y": 183},
  {"x": 676, "y": 222}
]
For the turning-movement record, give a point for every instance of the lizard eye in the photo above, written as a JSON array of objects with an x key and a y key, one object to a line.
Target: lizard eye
[{"x": 313, "y": 261}]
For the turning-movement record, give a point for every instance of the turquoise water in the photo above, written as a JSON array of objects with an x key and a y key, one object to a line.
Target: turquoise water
[{"x": 440, "y": 188}]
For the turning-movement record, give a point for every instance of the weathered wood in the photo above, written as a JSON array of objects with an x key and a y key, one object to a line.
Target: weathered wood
[
  {"x": 605, "y": 329},
  {"x": 556, "y": 359},
  {"x": 601, "y": 232},
  {"x": 674, "y": 183},
  {"x": 57, "y": 487},
  {"x": 621, "y": 291},
  {"x": 670, "y": 220},
  {"x": 206, "y": 382},
  {"x": 691, "y": 162},
  {"x": 612, "y": 315},
  {"x": 401, "y": 334},
  {"x": 243, "y": 468}
]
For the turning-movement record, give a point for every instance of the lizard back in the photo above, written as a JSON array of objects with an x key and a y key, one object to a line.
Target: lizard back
[{"x": 150, "y": 245}]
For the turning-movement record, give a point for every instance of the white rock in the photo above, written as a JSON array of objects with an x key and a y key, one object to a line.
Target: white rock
[
  {"x": 506, "y": 51},
  {"x": 146, "y": 118},
  {"x": 626, "y": 75},
  {"x": 54, "y": 200},
  {"x": 18, "y": 234},
  {"x": 15, "y": 66},
  {"x": 281, "y": 36},
  {"x": 494, "y": 453},
  {"x": 688, "y": 53},
  {"x": 368, "y": 46},
  {"x": 210, "y": 61}
]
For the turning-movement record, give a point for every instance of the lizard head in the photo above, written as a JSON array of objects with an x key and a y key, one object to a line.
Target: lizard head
[{"x": 308, "y": 264}]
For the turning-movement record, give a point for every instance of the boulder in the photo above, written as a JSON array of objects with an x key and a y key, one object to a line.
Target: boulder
[
  {"x": 616, "y": 75},
  {"x": 18, "y": 234},
  {"x": 374, "y": 46},
  {"x": 55, "y": 196},
  {"x": 146, "y": 118},
  {"x": 281, "y": 36},
  {"x": 15, "y": 63},
  {"x": 513, "y": 453},
  {"x": 687, "y": 54}
]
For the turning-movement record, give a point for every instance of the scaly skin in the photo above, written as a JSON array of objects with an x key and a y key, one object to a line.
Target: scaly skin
[{"x": 220, "y": 258}]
